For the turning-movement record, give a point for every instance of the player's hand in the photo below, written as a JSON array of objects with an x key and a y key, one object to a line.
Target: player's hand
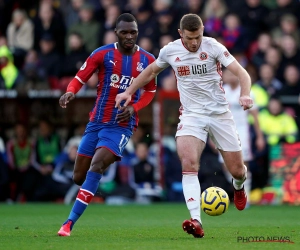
[
  {"x": 121, "y": 97},
  {"x": 125, "y": 113},
  {"x": 65, "y": 98},
  {"x": 246, "y": 102},
  {"x": 260, "y": 143}
]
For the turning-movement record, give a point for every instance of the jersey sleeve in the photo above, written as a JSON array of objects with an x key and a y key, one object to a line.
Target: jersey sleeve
[
  {"x": 222, "y": 54},
  {"x": 162, "y": 60},
  {"x": 151, "y": 86},
  {"x": 92, "y": 63}
]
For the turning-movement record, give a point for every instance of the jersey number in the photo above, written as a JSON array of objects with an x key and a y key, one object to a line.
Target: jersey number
[{"x": 123, "y": 142}]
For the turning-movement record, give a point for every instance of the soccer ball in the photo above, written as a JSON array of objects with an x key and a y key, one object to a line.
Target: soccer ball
[{"x": 214, "y": 201}]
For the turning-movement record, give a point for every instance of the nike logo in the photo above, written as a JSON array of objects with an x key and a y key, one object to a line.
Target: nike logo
[{"x": 114, "y": 63}]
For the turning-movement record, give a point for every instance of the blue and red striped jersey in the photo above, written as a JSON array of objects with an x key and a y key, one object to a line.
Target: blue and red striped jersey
[{"x": 115, "y": 73}]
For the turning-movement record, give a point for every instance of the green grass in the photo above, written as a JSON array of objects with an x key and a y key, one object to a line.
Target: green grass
[{"x": 34, "y": 226}]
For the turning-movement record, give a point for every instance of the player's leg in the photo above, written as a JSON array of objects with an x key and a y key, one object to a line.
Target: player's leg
[
  {"x": 223, "y": 133},
  {"x": 235, "y": 165},
  {"x": 191, "y": 136},
  {"x": 82, "y": 165},
  {"x": 101, "y": 161},
  {"x": 108, "y": 149},
  {"x": 189, "y": 149}
]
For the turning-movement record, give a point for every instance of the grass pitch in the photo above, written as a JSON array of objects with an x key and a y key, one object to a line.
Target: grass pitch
[{"x": 158, "y": 226}]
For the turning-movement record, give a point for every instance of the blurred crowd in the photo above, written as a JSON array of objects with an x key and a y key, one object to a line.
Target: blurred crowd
[{"x": 44, "y": 43}]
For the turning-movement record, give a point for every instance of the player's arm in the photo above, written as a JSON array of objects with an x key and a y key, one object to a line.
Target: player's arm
[
  {"x": 145, "y": 77},
  {"x": 245, "y": 81},
  {"x": 260, "y": 140},
  {"x": 82, "y": 76},
  {"x": 146, "y": 98}
]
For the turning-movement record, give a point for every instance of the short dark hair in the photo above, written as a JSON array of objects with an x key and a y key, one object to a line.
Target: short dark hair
[
  {"x": 126, "y": 17},
  {"x": 190, "y": 22}
]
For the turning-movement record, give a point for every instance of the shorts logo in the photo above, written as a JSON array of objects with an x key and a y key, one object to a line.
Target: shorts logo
[
  {"x": 83, "y": 66},
  {"x": 179, "y": 127},
  {"x": 139, "y": 67},
  {"x": 203, "y": 56},
  {"x": 114, "y": 78},
  {"x": 226, "y": 54}
]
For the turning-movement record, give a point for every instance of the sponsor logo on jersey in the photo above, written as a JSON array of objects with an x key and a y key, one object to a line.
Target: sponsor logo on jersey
[
  {"x": 199, "y": 69},
  {"x": 114, "y": 78},
  {"x": 83, "y": 66},
  {"x": 139, "y": 67},
  {"x": 203, "y": 56},
  {"x": 183, "y": 70},
  {"x": 120, "y": 82}
]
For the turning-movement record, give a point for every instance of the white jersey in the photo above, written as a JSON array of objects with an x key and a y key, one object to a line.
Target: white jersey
[
  {"x": 240, "y": 116},
  {"x": 199, "y": 75}
]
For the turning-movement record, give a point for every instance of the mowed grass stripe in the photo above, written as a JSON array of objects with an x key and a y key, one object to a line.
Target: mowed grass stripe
[{"x": 158, "y": 226}]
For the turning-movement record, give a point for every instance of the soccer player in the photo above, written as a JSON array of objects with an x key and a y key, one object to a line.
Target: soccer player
[
  {"x": 196, "y": 61},
  {"x": 109, "y": 128},
  {"x": 232, "y": 93}
]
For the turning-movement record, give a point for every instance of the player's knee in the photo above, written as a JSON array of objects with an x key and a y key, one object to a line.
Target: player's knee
[
  {"x": 189, "y": 165},
  {"x": 238, "y": 173},
  {"x": 78, "y": 179},
  {"x": 98, "y": 166}
]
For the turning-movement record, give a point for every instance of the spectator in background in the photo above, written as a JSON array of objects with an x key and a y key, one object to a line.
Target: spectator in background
[
  {"x": 264, "y": 42},
  {"x": 8, "y": 71},
  {"x": 193, "y": 6},
  {"x": 48, "y": 23},
  {"x": 143, "y": 170},
  {"x": 273, "y": 57},
  {"x": 20, "y": 36},
  {"x": 109, "y": 37},
  {"x": 87, "y": 27},
  {"x": 166, "y": 79},
  {"x": 283, "y": 7},
  {"x": 267, "y": 79},
  {"x": 144, "y": 175},
  {"x": 47, "y": 147},
  {"x": 288, "y": 26},
  {"x": 232, "y": 91},
  {"x": 20, "y": 154},
  {"x": 147, "y": 44},
  {"x": 213, "y": 14},
  {"x": 70, "y": 12},
  {"x": 100, "y": 13},
  {"x": 111, "y": 14},
  {"x": 234, "y": 34},
  {"x": 291, "y": 89},
  {"x": 76, "y": 56},
  {"x": 144, "y": 15},
  {"x": 57, "y": 186},
  {"x": 33, "y": 72},
  {"x": 277, "y": 124},
  {"x": 49, "y": 58},
  {"x": 3, "y": 41},
  {"x": 252, "y": 16},
  {"x": 165, "y": 25},
  {"x": 4, "y": 175},
  {"x": 290, "y": 51}
]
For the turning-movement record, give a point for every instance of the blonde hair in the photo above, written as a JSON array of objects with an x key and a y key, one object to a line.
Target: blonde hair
[{"x": 210, "y": 12}]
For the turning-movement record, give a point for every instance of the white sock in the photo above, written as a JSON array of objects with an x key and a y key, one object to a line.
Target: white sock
[
  {"x": 248, "y": 183},
  {"x": 192, "y": 191},
  {"x": 238, "y": 184}
]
